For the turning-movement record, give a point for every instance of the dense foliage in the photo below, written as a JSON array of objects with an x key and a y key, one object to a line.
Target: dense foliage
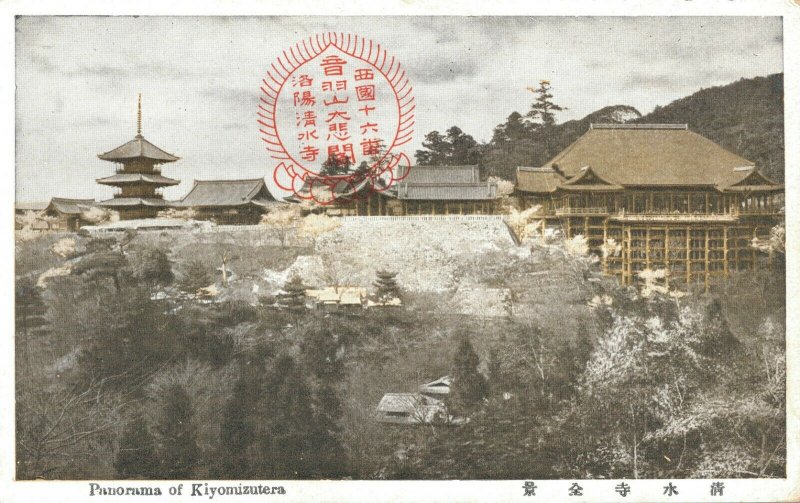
[
  {"x": 131, "y": 377},
  {"x": 745, "y": 117}
]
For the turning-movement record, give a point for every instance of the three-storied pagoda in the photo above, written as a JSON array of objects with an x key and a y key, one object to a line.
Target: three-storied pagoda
[{"x": 138, "y": 177}]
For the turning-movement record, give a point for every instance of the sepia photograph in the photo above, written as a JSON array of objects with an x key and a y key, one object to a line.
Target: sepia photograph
[{"x": 399, "y": 248}]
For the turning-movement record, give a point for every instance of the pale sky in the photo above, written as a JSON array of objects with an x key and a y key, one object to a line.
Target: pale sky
[{"x": 77, "y": 80}]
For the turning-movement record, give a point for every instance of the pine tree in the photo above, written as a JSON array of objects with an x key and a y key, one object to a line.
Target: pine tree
[
  {"x": 179, "y": 451},
  {"x": 300, "y": 435},
  {"x": 386, "y": 287},
  {"x": 334, "y": 166},
  {"x": 29, "y": 308},
  {"x": 136, "y": 457},
  {"x": 543, "y": 107},
  {"x": 469, "y": 385},
  {"x": 195, "y": 275},
  {"x": 153, "y": 268},
  {"x": 236, "y": 433},
  {"x": 293, "y": 298}
]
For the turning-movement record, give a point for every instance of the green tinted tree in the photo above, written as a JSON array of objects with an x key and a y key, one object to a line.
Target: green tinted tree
[
  {"x": 454, "y": 148},
  {"x": 542, "y": 110}
]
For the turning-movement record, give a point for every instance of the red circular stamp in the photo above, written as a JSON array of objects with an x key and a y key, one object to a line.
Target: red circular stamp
[{"x": 334, "y": 111}]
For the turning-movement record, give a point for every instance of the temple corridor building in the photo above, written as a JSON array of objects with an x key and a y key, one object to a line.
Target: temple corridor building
[
  {"x": 433, "y": 190},
  {"x": 654, "y": 197}
]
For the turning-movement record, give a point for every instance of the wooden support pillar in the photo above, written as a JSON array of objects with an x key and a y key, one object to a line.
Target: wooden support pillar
[
  {"x": 753, "y": 256},
  {"x": 647, "y": 249},
  {"x": 607, "y": 254},
  {"x": 725, "y": 251},
  {"x": 626, "y": 256},
  {"x": 688, "y": 254},
  {"x": 706, "y": 265},
  {"x": 461, "y": 207},
  {"x": 586, "y": 228},
  {"x": 666, "y": 249}
]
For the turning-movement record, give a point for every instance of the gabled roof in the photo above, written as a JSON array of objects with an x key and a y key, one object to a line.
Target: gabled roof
[
  {"x": 442, "y": 174},
  {"x": 138, "y": 148},
  {"x": 126, "y": 178},
  {"x": 650, "y": 154},
  {"x": 480, "y": 191},
  {"x": 440, "y": 386},
  {"x": 753, "y": 180},
  {"x": 587, "y": 179},
  {"x": 70, "y": 206},
  {"x": 538, "y": 179},
  {"x": 216, "y": 193}
]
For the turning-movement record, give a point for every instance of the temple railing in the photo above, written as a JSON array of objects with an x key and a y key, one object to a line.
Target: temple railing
[
  {"x": 581, "y": 211},
  {"x": 731, "y": 214}
]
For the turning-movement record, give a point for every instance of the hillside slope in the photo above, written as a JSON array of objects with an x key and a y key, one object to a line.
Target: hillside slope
[{"x": 745, "y": 117}]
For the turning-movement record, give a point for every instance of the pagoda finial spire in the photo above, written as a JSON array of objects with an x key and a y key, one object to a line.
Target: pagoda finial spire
[{"x": 139, "y": 117}]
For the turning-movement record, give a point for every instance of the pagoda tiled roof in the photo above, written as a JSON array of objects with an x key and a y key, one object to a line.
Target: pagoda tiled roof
[
  {"x": 129, "y": 202},
  {"x": 138, "y": 148},
  {"x": 137, "y": 178}
]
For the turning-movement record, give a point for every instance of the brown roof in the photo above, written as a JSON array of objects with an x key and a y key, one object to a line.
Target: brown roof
[
  {"x": 210, "y": 193},
  {"x": 126, "y": 178},
  {"x": 70, "y": 206},
  {"x": 643, "y": 155},
  {"x": 538, "y": 179},
  {"x": 138, "y": 148}
]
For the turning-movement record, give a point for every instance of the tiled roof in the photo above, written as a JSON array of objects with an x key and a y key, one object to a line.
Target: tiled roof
[
  {"x": 447, "y": 191},
  {"x": 70, "y": 206},
  {"x": 442, "y": 174},
  {"x": 124, "y": 178},
  {"x": 639, "y": 155},
  {"x": 210, "y": 193},
  {"x": 538, "y": 179},
  {"x": 138, "y": 148},
  {"x": 127, "y": 202}
]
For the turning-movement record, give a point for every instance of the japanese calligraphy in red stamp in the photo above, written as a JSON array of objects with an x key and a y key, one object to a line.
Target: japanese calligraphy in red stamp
[{"x": 333, "y": 113}]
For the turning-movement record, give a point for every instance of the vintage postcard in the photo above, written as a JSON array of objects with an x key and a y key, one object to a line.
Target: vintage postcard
[{"x": 340, "y": 258}]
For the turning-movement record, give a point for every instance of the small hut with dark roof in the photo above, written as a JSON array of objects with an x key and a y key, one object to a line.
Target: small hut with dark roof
[
  {"x": 229, "y": 201},
  {"x": 138, "y": 179}
]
